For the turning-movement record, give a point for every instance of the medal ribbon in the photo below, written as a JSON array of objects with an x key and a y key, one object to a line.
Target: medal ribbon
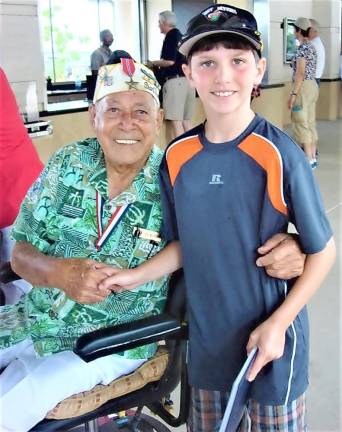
[
  {"x": 103, "y": 234},
  {"x": 128, "y": 66}
]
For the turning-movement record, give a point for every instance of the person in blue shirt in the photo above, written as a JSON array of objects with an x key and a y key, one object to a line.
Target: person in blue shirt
[{"x": 227, "y": 185}]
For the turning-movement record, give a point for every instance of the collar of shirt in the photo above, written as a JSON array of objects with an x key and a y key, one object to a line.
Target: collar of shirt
[
  {"x": 137, "y": 190},
  {"x": 106, "y": 50}
]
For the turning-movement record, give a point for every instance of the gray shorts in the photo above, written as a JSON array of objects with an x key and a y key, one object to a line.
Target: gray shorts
[{"x": 178, "y": 99}]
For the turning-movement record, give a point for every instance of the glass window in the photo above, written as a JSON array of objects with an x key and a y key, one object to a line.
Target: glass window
[{"x": 70, "y": 33}]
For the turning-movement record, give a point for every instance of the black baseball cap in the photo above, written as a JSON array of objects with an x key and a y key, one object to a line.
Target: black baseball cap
[{"x": 221, "y": 18}]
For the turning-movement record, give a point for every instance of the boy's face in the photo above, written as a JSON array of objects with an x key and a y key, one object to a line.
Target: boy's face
[{"x": 224, "y": 78}]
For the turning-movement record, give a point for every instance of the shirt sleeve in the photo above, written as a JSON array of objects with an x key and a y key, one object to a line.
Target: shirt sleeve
[
  {"x": 306, "y": 208},
  {"x": 170, "y": 47},
  {"x": 96, "y": 60},
  {"x": 19, "y": 161},
  {"x": 37, "y": 219},
  {"x": 169, "y": 229},
  {"x": 302, "y": 52}
]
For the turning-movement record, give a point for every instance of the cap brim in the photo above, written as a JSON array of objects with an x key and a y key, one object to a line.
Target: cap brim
[{"x": 186, "y": 46}]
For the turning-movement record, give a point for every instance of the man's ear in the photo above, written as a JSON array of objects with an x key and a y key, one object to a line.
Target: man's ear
[
  {"x": 92, "y": 114},
  {"x": 261, "y": 68},
  {"x": 187, "y": 72},
  {"x": 160, "y": 118}
]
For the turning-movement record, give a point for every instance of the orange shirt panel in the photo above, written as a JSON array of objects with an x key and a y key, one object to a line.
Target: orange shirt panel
[
  {"x": 179, "y": 153},
  {"x": 268, "y": 157}
]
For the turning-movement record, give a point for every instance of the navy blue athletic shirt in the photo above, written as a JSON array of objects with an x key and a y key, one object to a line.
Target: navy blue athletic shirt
[{"x": 222, "y": 201}]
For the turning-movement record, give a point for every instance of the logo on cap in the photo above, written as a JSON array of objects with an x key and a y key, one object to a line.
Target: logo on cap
[{"x": 215, "y": 16}]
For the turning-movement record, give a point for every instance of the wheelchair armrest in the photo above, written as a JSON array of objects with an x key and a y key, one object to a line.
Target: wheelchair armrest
[
  {"x": 6, "y": 273},
  {"x": 115, "y": 339}
]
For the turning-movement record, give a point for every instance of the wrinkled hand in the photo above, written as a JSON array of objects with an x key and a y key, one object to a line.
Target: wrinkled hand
[
  {"x": 269, "y": 337},
  {"x": 80, "y": 279},
  {"x": 282, "y": 258},
  {"x": 121, "y": 279},
  {"x": 149, "y": 64}
]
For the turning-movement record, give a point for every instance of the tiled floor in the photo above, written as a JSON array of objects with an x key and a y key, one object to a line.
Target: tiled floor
[{"x": 325, "y": 391}]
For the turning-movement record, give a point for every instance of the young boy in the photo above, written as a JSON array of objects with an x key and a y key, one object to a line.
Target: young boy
[{"x": 227, "y": 185}]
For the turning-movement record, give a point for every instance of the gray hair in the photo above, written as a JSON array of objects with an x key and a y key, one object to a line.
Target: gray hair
[
  {"x": 104, "y": 33},
  {"x": 314, "y": 24},
  {"x": 168, "y": 17}
]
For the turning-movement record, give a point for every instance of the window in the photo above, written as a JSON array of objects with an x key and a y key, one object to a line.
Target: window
[
  {"x": 289, "y": 39},
  {"x": 70, "y": 33}
]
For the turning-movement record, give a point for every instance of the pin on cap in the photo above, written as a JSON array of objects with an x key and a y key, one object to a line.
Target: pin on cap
[
  {"x": 221, "y": 18},
  {"x": 125, "y": 76}
]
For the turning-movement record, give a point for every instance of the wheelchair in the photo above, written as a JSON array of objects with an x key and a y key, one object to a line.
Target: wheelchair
[{"x": 124, "y": 407}]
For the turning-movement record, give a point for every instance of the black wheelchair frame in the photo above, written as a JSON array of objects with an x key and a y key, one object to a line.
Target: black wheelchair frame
[{"x": 169, "y": 327}]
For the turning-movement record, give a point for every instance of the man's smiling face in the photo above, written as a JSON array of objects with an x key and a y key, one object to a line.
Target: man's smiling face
[{"x": 127, "y": 125}]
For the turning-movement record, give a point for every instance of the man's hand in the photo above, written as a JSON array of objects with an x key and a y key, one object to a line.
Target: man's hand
[
  {"x": 282, "y": 257},
  {"x": 149, "y": 64},
  {"x": 80, "y": 279}
]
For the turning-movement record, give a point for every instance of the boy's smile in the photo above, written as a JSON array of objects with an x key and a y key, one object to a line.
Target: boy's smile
[
  {"x": 224, "y": 79},
  {"x": 224, "y": 93}
]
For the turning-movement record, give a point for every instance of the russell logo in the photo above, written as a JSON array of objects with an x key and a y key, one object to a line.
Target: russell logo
[{"x": 216, "y": 179}]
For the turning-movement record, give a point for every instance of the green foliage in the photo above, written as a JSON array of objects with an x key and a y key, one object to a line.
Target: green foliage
[{"x": 64, "y": 41}]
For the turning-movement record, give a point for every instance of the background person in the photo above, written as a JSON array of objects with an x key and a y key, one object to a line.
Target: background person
[
  {"x": 101, "y": 55},
  {"x": 178, "y": 97},
  {"x": 319, "y": 47},
  {"x": 304, "y": 94},
  {"x": 117, "y": 55},
  {"x": 19, "y": 167},
  {"x": 320, "y": 51}
]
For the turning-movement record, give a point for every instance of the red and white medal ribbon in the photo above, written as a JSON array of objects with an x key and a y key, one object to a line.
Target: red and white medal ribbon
[
  {"x": 103, "y": 234},
  {"x": 128, "y": 66}
]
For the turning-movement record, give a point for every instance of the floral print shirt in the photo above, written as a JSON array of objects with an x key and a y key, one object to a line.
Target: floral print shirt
[
  {"x": 308, "y": 52},
  {"x": 58, "y": 217}
]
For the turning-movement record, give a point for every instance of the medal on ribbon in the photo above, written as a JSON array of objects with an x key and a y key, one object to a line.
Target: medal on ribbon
[{"x": 103, "y": 234}]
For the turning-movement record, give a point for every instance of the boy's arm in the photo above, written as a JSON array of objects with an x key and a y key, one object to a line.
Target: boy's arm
[
  {"x": 166, "y": 261},
  {"x": 269, "y": 337}
]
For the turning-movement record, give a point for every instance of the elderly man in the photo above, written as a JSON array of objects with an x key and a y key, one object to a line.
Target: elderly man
[
  {"x": 76, "y": 222},
  {"x": 101, "y": 55}
]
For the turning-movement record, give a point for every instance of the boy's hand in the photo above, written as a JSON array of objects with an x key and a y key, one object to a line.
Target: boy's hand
[
  {"x": 269, "y": 337},
  {"x": 121, "y": 279},
  {"x": 79, "y": 278},
  {"x": 282, "y": 257}
]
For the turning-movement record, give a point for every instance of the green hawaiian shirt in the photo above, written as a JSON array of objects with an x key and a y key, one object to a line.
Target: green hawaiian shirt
[{"x": 58, "y": 217}]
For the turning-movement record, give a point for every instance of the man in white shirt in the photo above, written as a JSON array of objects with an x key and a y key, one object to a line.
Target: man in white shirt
[{"x": 317, "y": 43}]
